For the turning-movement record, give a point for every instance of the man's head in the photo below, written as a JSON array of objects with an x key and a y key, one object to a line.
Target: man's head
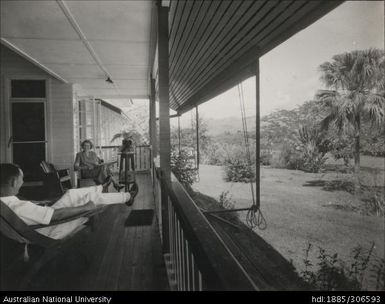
[{"x": 11, "y": 179}]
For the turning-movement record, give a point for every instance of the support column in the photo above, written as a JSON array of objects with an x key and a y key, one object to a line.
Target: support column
[
  {"x": 164, "y": 120},
  {"x": 178, "y": 134},
  {"x": 197, "y": 134},
  {"x": 152, "y": 129},
  {"x": 164, "y": 103},
  {"x": 257, "y": 134}
]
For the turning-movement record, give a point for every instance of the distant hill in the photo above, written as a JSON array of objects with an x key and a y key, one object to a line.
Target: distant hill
[{"x": 229, "y": 124}]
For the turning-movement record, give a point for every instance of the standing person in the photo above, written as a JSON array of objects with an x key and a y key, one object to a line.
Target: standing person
[
  {"x": 91, "y": 166},
  {"x": 72, "y": 203}
]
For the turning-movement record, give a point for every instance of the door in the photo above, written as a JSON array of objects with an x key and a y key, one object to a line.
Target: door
[{"x": 28, "y": 126}]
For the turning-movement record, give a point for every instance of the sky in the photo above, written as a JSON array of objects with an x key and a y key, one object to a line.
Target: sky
[{"x": 289, "y": 73}]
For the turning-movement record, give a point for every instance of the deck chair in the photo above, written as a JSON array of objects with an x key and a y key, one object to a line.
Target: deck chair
[
  {"x": 12, "y": 227},
  {"x": 55, "y": 181}
]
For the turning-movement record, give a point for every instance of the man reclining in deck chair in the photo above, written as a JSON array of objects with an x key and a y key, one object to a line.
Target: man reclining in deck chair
[{"x": 72, "y": 203}]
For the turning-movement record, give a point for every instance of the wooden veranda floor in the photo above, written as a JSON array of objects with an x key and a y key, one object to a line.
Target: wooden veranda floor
[{"x": 113, "y": 256}]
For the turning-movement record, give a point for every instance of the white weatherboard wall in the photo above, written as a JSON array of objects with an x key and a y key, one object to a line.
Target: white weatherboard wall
[
  {"x": 59, "y": 113},
  {"x": 62, "y": 122}
]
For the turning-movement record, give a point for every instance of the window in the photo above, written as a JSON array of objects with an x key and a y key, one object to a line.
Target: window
[{"x": 28, "y": 88}]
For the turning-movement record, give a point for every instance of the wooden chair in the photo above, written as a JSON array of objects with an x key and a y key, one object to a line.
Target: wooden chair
[
  {"x": 87, "y": 182},
  {"x": 84, "y": 182},
  {"x": 14, "y": 228},
  {"x": 55, "y": 181}
]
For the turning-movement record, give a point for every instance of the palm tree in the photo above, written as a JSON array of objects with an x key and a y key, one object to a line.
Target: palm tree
[{"x": 356, "y": 84}]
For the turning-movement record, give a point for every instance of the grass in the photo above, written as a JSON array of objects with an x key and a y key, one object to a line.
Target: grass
[
  {"x": 299, "y": 211},
  {"x": 337, "y": 177}
]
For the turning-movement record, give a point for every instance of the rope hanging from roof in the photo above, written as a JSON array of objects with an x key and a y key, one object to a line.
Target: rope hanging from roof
[{"x": 254, "y": 217}]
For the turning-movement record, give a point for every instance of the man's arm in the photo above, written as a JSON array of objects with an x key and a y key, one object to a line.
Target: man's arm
[{"x": 62, "y": 213}]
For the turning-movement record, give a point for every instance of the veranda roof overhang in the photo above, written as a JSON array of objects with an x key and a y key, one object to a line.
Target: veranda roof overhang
[{"x": 213, "y": 45}]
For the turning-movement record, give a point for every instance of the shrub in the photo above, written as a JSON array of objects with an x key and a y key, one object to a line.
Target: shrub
[
  {"x": 311, "y": 159},
  {"x": 313, "y": 146},
  {"x": 183, "y": 168},
  {"x": 265, "y": 158},
  {"x": 215, "y": 154},
  {"x": 365, "y": 271},
  {"x": 374, "y": 205},
  {"x": 226, "y": 201},
  {"x": 288, "y": 158},
  {"x": 307, "y": 152},
  {"x": 218, "y": 153},
  {"x": 238, "y": 170}
]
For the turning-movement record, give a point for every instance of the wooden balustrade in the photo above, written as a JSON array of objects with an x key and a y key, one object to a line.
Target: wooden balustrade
[
  {"x": 142, "y": 156},
  {"x": 196, "y": 257}
]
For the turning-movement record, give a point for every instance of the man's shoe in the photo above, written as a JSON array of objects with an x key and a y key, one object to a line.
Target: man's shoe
[
  {"x": 134, "y": 188},
  {"x": 118, "y": 187},
  {"x": 133, "y": 192}
]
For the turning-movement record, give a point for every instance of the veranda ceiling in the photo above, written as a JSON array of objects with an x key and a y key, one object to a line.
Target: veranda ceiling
[
  {"x": 213, "y": 43},
  {"x": 85, "y": 42}
]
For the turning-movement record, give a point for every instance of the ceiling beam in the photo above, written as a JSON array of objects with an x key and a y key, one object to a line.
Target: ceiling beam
[
  {"x": 71, "y": 19},
  {"x": 170, "y": 116},
  {"x": 122, "y": 96}
]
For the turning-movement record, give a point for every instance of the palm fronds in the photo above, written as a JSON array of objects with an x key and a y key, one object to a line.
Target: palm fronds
[{"x": 356, "y": 82}]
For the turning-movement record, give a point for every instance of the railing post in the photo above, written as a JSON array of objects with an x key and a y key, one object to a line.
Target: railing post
[{"x": 164, "y": 214}]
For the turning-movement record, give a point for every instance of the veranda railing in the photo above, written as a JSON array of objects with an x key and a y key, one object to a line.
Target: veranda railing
[
  {"x": 142, "y": 156},
  {"x": 196, "y": 257}
]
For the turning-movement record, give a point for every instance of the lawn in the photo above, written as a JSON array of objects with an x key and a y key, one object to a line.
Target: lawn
[{"x": 299, "y": 211}]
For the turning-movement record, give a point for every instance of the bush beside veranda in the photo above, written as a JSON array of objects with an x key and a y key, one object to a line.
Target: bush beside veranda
[{"x": 183, "y": 168}]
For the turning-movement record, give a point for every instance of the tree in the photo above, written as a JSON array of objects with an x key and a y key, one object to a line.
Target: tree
[
  {"x": 279, "y": 128},
  {"x": 282, "y": 126},
  {"x": 356, "y": 90},
  {"x": 136, "y": 127},
  {"x": 188, "y": 137}
]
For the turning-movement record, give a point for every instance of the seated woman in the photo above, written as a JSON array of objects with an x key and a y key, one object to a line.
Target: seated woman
[{"x": 90, "y": 166}]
